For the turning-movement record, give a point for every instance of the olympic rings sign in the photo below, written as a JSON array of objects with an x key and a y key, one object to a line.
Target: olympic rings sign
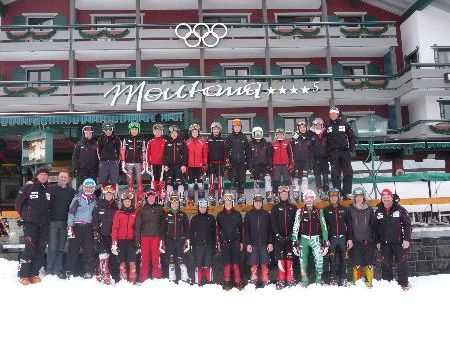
[{"x": 200, "y": 34}]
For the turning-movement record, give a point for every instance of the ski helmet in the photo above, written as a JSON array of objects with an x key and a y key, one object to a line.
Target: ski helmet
[
  {"x": 158, "y": 127},
  {"x": 334, "y": 109},
  {"x": 257, "y": 132},
  {"x": 127, "y": 196},
  {"x": 202, "y": 202},
  {"x": 317, "y": 121},
  {"x": 89, "y": 182},
  {"x": 174, "y": 128},
  {"x": 194, "y": 127},
  {"x": 236, "y": 122},
  {"x": 134, "y": 125},
  {"x": 283, "y": 188},
  {"x": 359, "y": 191},
  {"x": 300, "y": 123},
  {"x": 258, "y": 197},
  {"x": 279, "y": 131},
  {"x": 216, "y": 125},
  {"x": 333, "y": 192},
  {"x": 309, "y": 194},
  {"x": 228, "y": 197},
  {"x": 108, "y": 126},
  {"x": 87, "y": 128}
]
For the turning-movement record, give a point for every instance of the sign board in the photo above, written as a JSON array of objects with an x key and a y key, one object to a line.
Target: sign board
[{"x": 37, "y": 148}]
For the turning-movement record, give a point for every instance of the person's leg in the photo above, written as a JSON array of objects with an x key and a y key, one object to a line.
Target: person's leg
[
  {"x": 155, "y": 257},
  {"x": 347, "y": 171},
  {"x": 52, "y": 248},
  {"x": 191, "y": 185},
  {"x": 61, "y": 242},
  {"x": 341, "y": 270},
  {"x": 401, "y": 258},
  {"x": 334, "y": 255},
  {"x": 145, "y": 258},
  {"x": 335, "y": 170},
  {"x": 318, "y": 259},
  {"x": 304, "y": 259},
  {"x": 317, "y": 173},
  {"x": 88, "y": 249},
  {"x": 31, "y": 236},
  {"x": 39, "y": 257},
  {"x": 325, "y": 170},
  {"x": 387, "y": 272},
  {"x": 72, "y": 251}
]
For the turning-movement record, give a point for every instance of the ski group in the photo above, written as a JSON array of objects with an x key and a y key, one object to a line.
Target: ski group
[{"x": 138, "y": 223}]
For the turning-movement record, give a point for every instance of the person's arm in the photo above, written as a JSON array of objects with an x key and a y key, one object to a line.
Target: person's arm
[
  {"x": 247, "y": 230},
  {"x": 296, "y": 226},
  {"x": 184, "y": 155},
  {"x": 21, "y": 198},
  {"x": 214, "y": 230},
  {"x": 274, "y": 221},
  {"x": 186, "y": 225},
  {"x": 290, "y": 155},
  {"x": 323, "y": 225},
  {"x": 269, "y": 230},
  {"x": 115, "y": 227},
  {"x": 72, "y": 211},
  {"x": 95, "y": 219},
  {"x": 241, "y": 228},
  {"x": 138, "y": 226},
  {"x": 406, "y": 224},
  {"x": 192, "y": 228},
  {"x": 351, "y": 137},
  {"x": 348, "y": 221}
]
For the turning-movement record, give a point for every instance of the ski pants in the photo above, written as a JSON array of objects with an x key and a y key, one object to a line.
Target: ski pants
[
  {"x": 195, "y": 175},
  {"x": 134, "y": 169},
  {"x": 203, "y": 255},
  {"x": 307, "y": 244},
  {"x": 150, "y": 256},
  {"x": 278, "y": 172},
  {"x": 127, "y": 251},
  {"x": 238, "y": 176},
  {"x": 362, "y": 253},
  {"x": 337, "y": 257},
  {"x": 388, "y": 251},
  {"x": 321, "y": 170},
  {"x": 258, "y": 256},
  {"x": 56, "y": 242},
  {"x": 215, "y": 171},
  {"x": 32, "y": 259},
  {"x": 284, "y": 256},
  {"x": 83, "y": 239},
  {"x": 174, "y": 176},
  {"x": 341, "y": 163},
  {"x": 108, "y": 172}
]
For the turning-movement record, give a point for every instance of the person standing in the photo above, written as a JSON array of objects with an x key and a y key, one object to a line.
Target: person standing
[
  {"x": 341, "y": 143},
  {"x": 282, "y": 161},
  {"x": 260, "y": 162},
  {"x": 300, "y": 143},
  {"x": 33, "y": 205},
  {"x": 216, "y": 161},
  {"x": 61, "y": 196},
  {"x": 109, "y": 153},
  {"x": 319, "y": 151},
  {"x": 393, "y": 229},
  {"x": 85, "y": 156},
  {"x": 154, "y": 162}
]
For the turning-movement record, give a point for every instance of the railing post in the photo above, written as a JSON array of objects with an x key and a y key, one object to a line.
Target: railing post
[
  {"x": 71, "y": 53},
  {"x": 328, "y": 51},
  {"x": 267, "y": 60},
  {"x": 137, "y": 38},
  {"x": 202, "y": 67}
]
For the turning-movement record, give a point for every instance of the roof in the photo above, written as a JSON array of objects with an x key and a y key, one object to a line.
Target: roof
[{"x": 405, "y": 8}]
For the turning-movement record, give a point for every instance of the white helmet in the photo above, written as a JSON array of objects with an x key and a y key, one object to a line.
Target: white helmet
[
  {"x": 257, "y": 132},
  {"x": 216, "y": 125},
  {"x": 309, "y": 194}
]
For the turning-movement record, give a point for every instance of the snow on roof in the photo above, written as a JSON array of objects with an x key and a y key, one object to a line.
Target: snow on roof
[{"x": 401, "y": 7}]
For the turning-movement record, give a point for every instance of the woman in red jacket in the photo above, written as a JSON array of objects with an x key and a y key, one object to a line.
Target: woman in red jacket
[
  {"x": 197, "y": 154},
  {"x": 123, "y": 237}
]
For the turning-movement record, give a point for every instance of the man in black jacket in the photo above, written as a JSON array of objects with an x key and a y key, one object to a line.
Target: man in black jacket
[
  {"x": 393, "y": 235},
  {"x": 85, "y": 157},
  {"x": 33, "y": 205},
  {"x": 61, "y": 196},
  {"x": 260, "y": 162},
  {"x": 282, "y": 220},
  {"x": 202, "y": 234},
  {"x": 109, "y": 153},
  {"x": 341, "y": 143},
  {"x": 258, "y": 240},
  {"x": 216, "y": 161}
]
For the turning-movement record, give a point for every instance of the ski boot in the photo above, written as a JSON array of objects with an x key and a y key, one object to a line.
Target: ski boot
[
  {"x": 254, "y": 275},
  {"x": 212, "y": 200},
  {"x": 296, "y": 196},
  {"x": 35, "y": 279},
  {"x": 227, "y": 285},
  {"x": 280, "y": 285},
  {"x": 87, "y": 276},
  {"x": 240, "y": 285},
  {"x": 368, "y": 276},
  {"x": 241, "y": 200},
  {"x": 343, "y": 283},
  {"x": 269, "y": 197},
  {"x": 24, "y": 281},
  {"x": 333, "y": 281}
]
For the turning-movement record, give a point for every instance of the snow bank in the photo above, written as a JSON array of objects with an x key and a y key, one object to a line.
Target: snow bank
[{"x": 70, "y": 308}]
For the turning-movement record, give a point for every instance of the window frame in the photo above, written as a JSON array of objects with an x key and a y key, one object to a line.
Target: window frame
[{"x": 39, "y": 71}]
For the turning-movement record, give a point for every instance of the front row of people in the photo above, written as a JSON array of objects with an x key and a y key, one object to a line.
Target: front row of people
[{"x": 286, "y": 231}]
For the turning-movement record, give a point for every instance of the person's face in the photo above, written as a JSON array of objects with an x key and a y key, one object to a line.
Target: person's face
[
  {"x": 108, "y": 196},
  {"x": 334, "y": 115},
  {"x": 334, "y": 199},
  {"x": 194, "y": 133},
  {"x": 216, "y": 131},
  {"x": 88, "y": 189},
  {"x": 134, "y": 132},
  {"x": 63, "y": 178},
  {"x": 126, "y": 203},
  {"x": 88, "y": 135},
  {"x": 228, "y": 205},
  {"x": 387, "y": 200},
  {"x": 309, "y": 201},
  {"x": 157, "y": 132},
  {"x": 174, "y": 205},
  {"x": 280, "y": 136},
  {"x": 174, "y": 134},
  {"x": 202, "y": 209},
  {"x": 257, "y": 204},
  {"x": 108, "y": 133},
  {"x": 284, "y": 196},
  {"x": 359, "y": 199},
  {"x": 318, "y": 126},
  {"x": 237, "y": 128},
  {"x": 42, "y": 177},
  {"x": 302, "y": 128},
  {"x": 151, "y": 199}
]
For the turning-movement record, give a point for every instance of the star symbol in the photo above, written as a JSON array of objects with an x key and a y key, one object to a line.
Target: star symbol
[
  {"x": 305, "y": 89},
  {"x": 293, "y": 90},
  {"x": 270, "y": 91},
  {"x": 282, "y": 90}
]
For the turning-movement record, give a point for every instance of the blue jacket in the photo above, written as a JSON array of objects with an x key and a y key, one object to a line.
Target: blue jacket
[{"x": 80, "y": 210}]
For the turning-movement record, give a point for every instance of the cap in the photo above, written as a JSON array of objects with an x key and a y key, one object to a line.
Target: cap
[
  {"x": 89, "y": 182},
  {"x": 236, "y": 121},
  {"x": 202, "y": 202},
  {"x": 40, "y": 170},
  {"x": 387, "y": 191},
  {"x": 258, "y": 197}
]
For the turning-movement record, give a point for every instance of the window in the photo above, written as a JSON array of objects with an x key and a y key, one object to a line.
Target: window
[
  {"x": 445, "y": 110},
  {"x": 291, "y": 122},
  {"x": 443, "y": 55},
  {"x": 225, "y": 19},
  {"x": 237, "y": 71},
  {"x": 43, "y": 21},
  {"x": 114, "y": 20},
  {"x": 292, "y": 70},
  {"x": 171, "y": 72},
  {"x": 351, "y": 21},
  {"x": 246, "y": 124},
  {"x": 354, "y": 70},
  {"x": 352, "y": 120},
  {"x": 114, "y": 73},
  {"x": 37, "y": 75},
  {"x": 293, "y": 19}
]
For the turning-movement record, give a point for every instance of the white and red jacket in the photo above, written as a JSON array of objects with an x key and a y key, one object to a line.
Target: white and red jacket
[
  {"x": 197, "y": 152},
  {"x": 281, "y": 152},
  {"x": 155, "y": 151}
]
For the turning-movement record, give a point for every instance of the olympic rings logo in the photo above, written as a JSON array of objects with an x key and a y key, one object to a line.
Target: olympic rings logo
[{"x": 200, "y": 37}]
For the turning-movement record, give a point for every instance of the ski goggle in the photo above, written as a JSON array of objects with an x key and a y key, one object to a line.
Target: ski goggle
[
  {"x": 174, "y": 128},
  {"x": 174, "y": 198},
  {"x": 283, "y": 189},
  {"x": 127, "y": 196},
  {"x": 279, "y": 131},
  {"x": 228, "y": 197},
  {"x": 150, "y": 193},
  {"x": 87, "y": 128},
  {"x": 108, "y": 189}
]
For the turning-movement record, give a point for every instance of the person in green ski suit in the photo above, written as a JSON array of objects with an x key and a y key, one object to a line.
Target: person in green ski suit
[{"x": 310, "y": 233}]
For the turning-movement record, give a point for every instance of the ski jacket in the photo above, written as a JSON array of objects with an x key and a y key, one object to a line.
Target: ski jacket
[
  {"x": 258, "y": 230},
  {"x": 229, "y": 226},
  {"x": 85, "y": 155},
  {"x": 340, "y": 136},
  {"x": 260, "y": 153},
  {"x": 282, "y": 152},
  {"x": 202, "y": 230},
  {"x": 149, "y": 221},
  {"x": 336, "y": 218},
  {"x": 309, "y": 222},
  {"x": 133, "y": 151},
  {"x": 81, "y": 208},
  {"x": 60, "y": 197},
  {"x": 33, "y": 203},
  {"x": 175, "y": 152},
  {"x": 155, "y": 151},
  {"x": 301, "y": 148},
  {"x": 216, "y": 150},
  {"x": 175, "y": 226},
  {"x": 197, "y": 152},
  {"x": 236, "y": 148},
  {"x": 282, "y": 218},
  {"x": 393, "y": 225},
  {"x": 109, "y": 147},
  {"x": 102, "y": 217},
  {"x": 360, "y": 224},
  {"x": 123, "y": 224},
  {"x": 318, "y": 144}
]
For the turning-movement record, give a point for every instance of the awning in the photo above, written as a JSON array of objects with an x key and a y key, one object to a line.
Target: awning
[
  {"x": 401, "y": 146},
  {"x": 91, "y": 118}
]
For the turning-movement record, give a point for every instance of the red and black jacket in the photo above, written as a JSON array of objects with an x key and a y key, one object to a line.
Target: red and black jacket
[
  {"x": 175, "y": 152},
  {"x": 155, "y": 151},
  {"x": 282, "y": 152},
  {"x": 393, "y": 225},
  {"x": 229, "y": 226},
  {"x": 133, "y": 151},
  {"x": 282, "y": 218},
  {"x": 309, "y": 222},
  {"x": 301, "y": 148},
  {"x": 197, "y": 152},
  {"x": 260, "y": 153},
  {"x": 336, "y": 218},
  {"x": 33, "y": 203},
  {"x": 123, "y": 224},
  {"x": 175, "y": 226},
  {"x": 85, "y": 155}
]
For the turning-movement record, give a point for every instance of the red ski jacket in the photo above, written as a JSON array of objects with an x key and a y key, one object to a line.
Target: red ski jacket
[
  {"x": 281, "y": 152},
  {"x": 197, "y": 152},
  {"x": 155, "y": 151},
  {"x": 123, "y": 225}
]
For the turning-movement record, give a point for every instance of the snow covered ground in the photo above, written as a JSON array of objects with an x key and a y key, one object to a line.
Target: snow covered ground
[{"x": 82, "y": 307}]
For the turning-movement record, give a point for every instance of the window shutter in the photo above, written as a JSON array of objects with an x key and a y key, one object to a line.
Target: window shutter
[
  {"x": 373, "y": 69},
  {"x": 60, "y": 20},
  {"x": 260, "y": 121},
  {"x": 278, "y": 122},
  {"x": 152, "y": 72},
  {"x": 311, "y": 69},
  {"x": 19, "y": 74},
  {"x": 338, "y": 69},
  {"x": 19, "y": 20},
  {"x": 56, "y": 73},
  {"x": 92, "y": 72},
  {"x": 217, "y": 71},
  {"x": 191, "y": 71}
]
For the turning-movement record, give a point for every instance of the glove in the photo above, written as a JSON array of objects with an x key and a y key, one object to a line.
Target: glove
[
  {"x": 296, "y": 249},
  {"x": 162, "y": 247},
  {"x": 187, "y": 246},
  {"x": 183, "y": 169},
  {"x": 70, "y": 233},
  {"x": 114, "y": 248},
  {"x": 124, "y": 169},
  {"x": 137, "y": 245}
]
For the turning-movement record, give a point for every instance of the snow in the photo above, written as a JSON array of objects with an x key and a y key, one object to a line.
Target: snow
[{"x": 68, "y": 308}]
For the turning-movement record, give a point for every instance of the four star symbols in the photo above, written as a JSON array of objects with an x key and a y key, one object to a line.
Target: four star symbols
[{"x": 284, "y": 91}]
